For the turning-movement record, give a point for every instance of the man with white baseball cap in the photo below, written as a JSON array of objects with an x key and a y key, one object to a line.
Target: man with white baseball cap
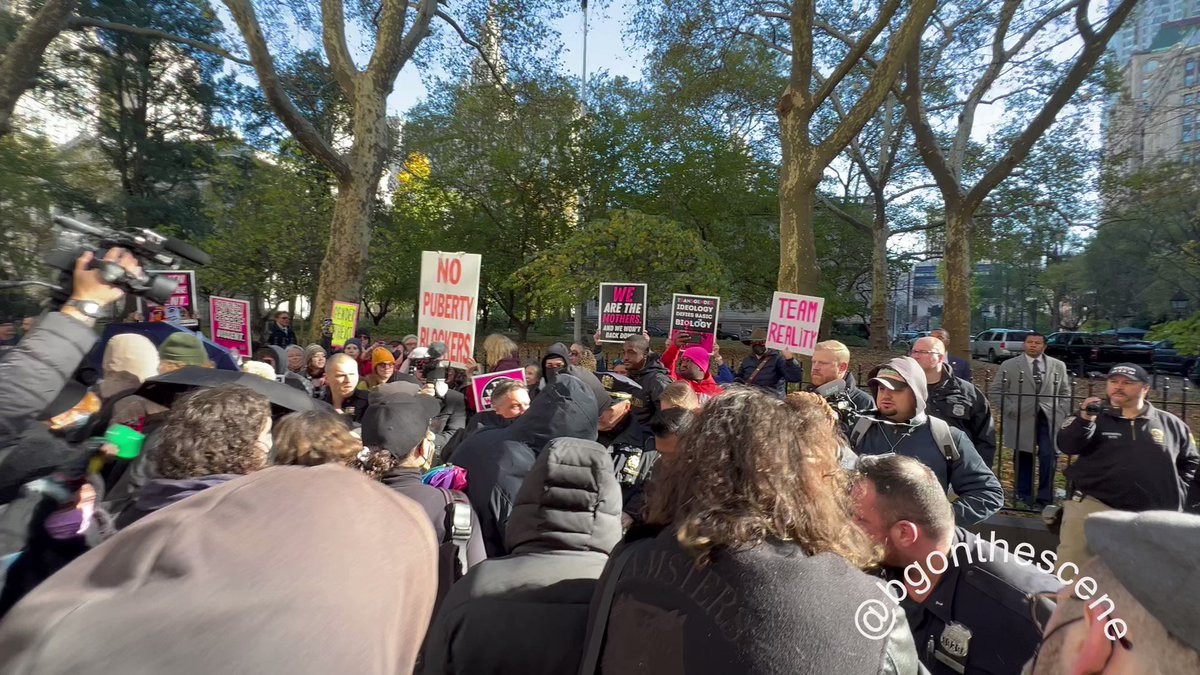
[{"x": 1130, "y": 456}]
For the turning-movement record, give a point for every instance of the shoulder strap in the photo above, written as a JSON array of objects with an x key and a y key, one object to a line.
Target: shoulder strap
[
  {"x": 458, "y": 525},
  {"x": 604, "y": 600},
  {"x": 944, "y": 439},
  {"x": 761, "y": 364},
  {"x": 860, "y": 427}
]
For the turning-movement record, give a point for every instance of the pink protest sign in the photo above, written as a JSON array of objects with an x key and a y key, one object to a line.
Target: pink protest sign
[
  {"x": 794, "y": 323},
  {"x": 230, "y": 324},
  {"x": 483, "y": 385}
]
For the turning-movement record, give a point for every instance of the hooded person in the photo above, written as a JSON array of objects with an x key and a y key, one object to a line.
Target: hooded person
[
  {"x": 497, "y": 460},
  {"x": 901, "y": 425},
  {"x": 551, "y": 369},
  {"x": 129, "y": 359},
  {"x": 693, "y": 366},
  {"x": 285, "y": 375},
  {"x": 220, "y": 556},
  {"x": 399, "y": 424},
  {"x": 527, "y": 612}
]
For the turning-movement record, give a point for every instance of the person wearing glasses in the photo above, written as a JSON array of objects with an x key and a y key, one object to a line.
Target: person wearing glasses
[
  {"x": 902, "y": 426},
  {"x": 280, "y": 333},
  {"x": 972, "y": 606},
  {"x": 954, "y": 399}
]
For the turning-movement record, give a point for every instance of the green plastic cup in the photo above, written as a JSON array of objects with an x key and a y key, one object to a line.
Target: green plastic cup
[{"x": 128, "y": 441}]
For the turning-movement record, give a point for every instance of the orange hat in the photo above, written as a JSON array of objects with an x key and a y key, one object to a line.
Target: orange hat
[{"x": 381, "y": 355}]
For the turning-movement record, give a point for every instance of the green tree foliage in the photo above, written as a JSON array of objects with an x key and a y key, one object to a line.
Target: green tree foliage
[
  {"x": 263, "y": 242},
  {"x": 626, "y": 246},
  {"x": 1184, "y": 334}
]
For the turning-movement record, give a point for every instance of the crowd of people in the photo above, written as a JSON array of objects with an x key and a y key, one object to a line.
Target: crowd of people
[{"x": 349, "y": 510}]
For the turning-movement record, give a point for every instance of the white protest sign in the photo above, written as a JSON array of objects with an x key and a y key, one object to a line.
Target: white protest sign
[
  {"x": 449, "y": 302},
  {"x": 794, "y": 323}
]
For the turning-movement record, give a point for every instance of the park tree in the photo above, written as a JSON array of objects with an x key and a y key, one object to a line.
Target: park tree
[
  {"x": 986, "y": 53},
  {"x": 821, "y": 44},
  {"x": 625, "y": 245}
]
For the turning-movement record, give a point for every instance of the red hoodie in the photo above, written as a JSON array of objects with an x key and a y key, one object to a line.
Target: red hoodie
[{"x": 707, "y": 387}]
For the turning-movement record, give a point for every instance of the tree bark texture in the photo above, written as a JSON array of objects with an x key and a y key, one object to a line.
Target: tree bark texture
[
  {"x": 879, "y": 278},
  {"x": 20, "y": 63}
]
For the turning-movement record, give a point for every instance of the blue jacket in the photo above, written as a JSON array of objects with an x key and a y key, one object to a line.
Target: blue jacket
[
  {"x": 774, "y": 376},
  {"x": 960, "y": 367}
]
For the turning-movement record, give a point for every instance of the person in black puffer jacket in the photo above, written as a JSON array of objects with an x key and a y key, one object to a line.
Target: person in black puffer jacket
[
  {"x": 527, "y": 612},
  {"x": 551, "y": 368},
  {"x": 497, "y": 460}
]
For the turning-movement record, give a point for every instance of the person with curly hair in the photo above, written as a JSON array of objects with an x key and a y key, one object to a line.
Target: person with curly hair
[
  {"x": 759, "y": 567},
  {"x": 314, "y": 437},
  {"x": 210, "y": 437}
]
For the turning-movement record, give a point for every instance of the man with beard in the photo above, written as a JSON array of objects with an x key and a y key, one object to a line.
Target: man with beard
[
  {"x": 832, "y": 380},
  {"x": 769, "y": 369},
  {"x": 652, "y": 377}
]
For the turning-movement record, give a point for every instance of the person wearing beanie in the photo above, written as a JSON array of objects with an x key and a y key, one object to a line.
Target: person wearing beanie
[
  {"x": 902, "y": 426},
  {"x": 179, "y": 350},
  {"x": 407, "y": 343},
  {"x": 691, "y": 364},
  {"x": 129, "y": 359},
  {"x": 383, "y": 367},
  {"x": 314, "y": 368}
]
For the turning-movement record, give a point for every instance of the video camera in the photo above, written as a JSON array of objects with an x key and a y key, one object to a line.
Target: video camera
[
  {"x": 845, "y": 409},
  {"x": 150, "y": 248}
]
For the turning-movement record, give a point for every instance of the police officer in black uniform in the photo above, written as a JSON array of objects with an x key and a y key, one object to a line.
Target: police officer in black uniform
[
  {"x": 955, "y": 400},
  {"x": 631, "y": 444},
  {"x": 973, "y": 606},
  {"x": 1130, "y": 456}
]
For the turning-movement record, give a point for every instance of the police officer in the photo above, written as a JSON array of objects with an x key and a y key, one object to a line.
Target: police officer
[
  {"x": 954, "y": 399},
  {"x": 973, "y": 607},
  {"x": 630, "y": 443},
  {"x": 1130, "y": 456}
]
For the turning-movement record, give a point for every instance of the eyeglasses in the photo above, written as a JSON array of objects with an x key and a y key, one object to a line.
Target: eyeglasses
[
  {"x": 1123, "y": 641},
  {"x": 926, "y": 352}
]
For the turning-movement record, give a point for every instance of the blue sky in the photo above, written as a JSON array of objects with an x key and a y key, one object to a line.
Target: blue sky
[{"x": 608, "y": 50}]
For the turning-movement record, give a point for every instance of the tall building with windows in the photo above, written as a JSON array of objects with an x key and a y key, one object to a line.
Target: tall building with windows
[{"x": 1156, "y": 116}]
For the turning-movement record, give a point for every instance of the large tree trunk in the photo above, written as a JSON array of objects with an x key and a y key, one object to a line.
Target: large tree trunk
[
  {"x": 21, "y": 62},
  {"x": 798, "y": 179},
  {"x": 350, "y": 232},
  {"x": 956, "y": 312},
  {"x": 879, "y": 280}
]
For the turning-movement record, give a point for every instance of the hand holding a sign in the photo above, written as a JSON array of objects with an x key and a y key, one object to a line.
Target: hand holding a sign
[{"x": 787, "y": 354}]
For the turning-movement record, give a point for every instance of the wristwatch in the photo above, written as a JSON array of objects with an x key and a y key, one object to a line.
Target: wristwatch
[{"x": 88, "y": 308}]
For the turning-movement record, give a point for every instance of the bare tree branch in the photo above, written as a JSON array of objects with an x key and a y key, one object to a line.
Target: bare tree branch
[
  {"x": 393, "y": 57},
  {"x": 264, "y": 66},
  {"x": 843, "y": 216},
  {"x": 23, "y": 58},
  {"x": 333, "y": 36},
  {"x": 886, "y": 12},
  {"x": 495, "y": 70}
]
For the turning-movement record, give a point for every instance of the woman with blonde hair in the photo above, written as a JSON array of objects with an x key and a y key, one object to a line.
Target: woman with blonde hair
[{"x": 500, "y": 353}]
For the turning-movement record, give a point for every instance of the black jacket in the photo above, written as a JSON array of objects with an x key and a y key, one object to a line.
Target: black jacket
[
  {"x": 585, "y": 376},
  {"x": 162, "y": 492},
  {"x": 497, "y": 460},
  {"x": 476, "y": 423},
  {"x": 991, "y": 593},
  {"x": 845, "y": 389},
  {"x": 451, "y": 419},
  {"x": 278, "y": 336},
  {"x": 653, "y": 378},
  {"x": 963, "y": 406},
  {"x": 359, "y": 400},
  {"x": 527, "y": 612},
  {"x": 1147, "y": 463},
  {"x": 771, "y": 608},
  {"x": 774, "y": 376}
]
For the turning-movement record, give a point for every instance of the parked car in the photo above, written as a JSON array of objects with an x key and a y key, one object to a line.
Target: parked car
[
  {"x": 997, "y": 344},
  {"x": 1167, "y": 359},
  {"x": 1086, "y": 352},
  {"x": 731, "y": 333},
  {"x": 905, "y": 338},
  {"x": 655, "y": 331}
]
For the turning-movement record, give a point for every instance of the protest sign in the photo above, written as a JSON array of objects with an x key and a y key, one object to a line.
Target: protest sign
[
  {"x": 622, "y": 311},
  {"x": 229, "y": 323},
  {"x": 181, "y": 306},
  {"x": 345, "y": 322},
  {"x": 448, "y": 303},
  {"x": 794, "y": 322},
  {"x": 483, "y": 385},
  {"x": 695, "y": 315}
]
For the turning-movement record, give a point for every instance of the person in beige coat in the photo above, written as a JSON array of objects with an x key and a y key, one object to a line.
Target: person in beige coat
[{"x": 1031, "y": 393}]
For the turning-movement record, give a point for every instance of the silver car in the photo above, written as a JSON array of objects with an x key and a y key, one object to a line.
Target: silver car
[{"x": 997, "y": 344}]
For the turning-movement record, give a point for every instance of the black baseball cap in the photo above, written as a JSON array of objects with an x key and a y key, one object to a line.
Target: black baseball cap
[
  {"x": 1131, "y": 370},
  {"x": 398, "y": 423}
]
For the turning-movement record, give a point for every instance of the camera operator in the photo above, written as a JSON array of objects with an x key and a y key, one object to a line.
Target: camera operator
[
  {"x": 430, "y": 372},
  {"x": 832, "y": 380},
  {"x": 1130, "y": 456},
  {"x": 34, "y": 372}
]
